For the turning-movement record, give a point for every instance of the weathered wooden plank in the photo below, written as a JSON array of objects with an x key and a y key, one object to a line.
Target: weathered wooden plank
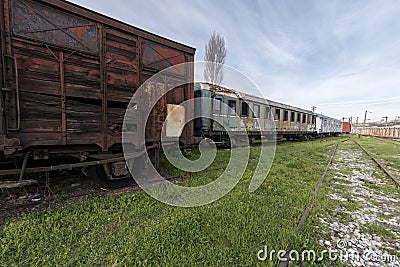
[
  {"x": 119, "y": 47},
  {"x": 84, "y": 73},
  {"x": 35, "y": 50},
  {"x": 14, "y": 184},
  {"x": 30, "y": 85},
  {"x": 115, "y": 119},
  {"x": 83, "y": 116},
  {"x": 82, "y": 60},
  {"x": 121, "y": 78},
  {"x": 79, "y": 138},
  {"x": 82, "y": 91},
  {"x": 40, "y": 65},
  {"x": 40, "y": 113},
  {"x": 35, "y": 138},
  {"x": 115, "y": 34}
]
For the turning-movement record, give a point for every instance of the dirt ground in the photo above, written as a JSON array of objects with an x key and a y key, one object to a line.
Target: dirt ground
[{"x": 57, "y": 190}]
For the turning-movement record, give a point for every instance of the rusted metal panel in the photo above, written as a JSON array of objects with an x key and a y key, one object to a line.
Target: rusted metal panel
[
  {"x": 158, "y": 57},
  {"x": 121, "y": 26},
  {"x": 54, "y": 27}
]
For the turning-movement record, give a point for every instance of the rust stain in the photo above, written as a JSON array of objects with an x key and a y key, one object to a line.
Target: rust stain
[{"x": 79, "y": 31}]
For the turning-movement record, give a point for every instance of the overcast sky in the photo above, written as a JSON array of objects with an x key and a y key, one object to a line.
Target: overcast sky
[{"x": 341, "y": 56}]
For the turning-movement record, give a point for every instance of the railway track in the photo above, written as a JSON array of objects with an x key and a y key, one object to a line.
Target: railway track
[
  {"x": 380, "y": 165},
  {"x": 286, "y": 259}
]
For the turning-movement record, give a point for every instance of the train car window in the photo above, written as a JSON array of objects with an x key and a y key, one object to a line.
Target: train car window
[
  {"x": 217, "y": 105},
  {"x": 292, "y": 116},
  {"x": 313, "y": 119},
  {"x": 298, "y": 117},
  {"x": 304, "y": 118},
  {"x": 256, "y": 111},
  {"x": 277, "y": 114},
  {"x": 245, "y": 109},
  {"x": 268, "y": 113},
  {"x": 286, "y": 115},
  {"x": 232, "y": 105}
]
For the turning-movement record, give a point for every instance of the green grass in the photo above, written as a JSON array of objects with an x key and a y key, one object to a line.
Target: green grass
[
  {"x": 136, "y": 230},
  {"x": 380, "y": 230}
]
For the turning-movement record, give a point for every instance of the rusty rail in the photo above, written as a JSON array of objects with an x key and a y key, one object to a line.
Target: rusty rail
[{"x": 397, "y": 181}]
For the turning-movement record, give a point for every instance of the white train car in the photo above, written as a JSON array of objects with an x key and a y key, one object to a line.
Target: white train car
[{"x": 328, "y": 126}]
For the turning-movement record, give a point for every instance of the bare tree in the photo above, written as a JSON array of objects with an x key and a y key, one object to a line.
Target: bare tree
[{"x": 215, "y": 57}]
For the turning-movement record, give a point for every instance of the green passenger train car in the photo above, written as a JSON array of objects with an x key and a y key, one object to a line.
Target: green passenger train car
[{"x": 220, "y": 111}]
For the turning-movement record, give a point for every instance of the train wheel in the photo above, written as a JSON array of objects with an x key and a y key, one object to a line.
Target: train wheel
[
  {"x": 229, "y": 142},
  {"x": 99, "y": 174},
  {"x": 252, "y": 140},
  {"x": 226, "y": 143}
]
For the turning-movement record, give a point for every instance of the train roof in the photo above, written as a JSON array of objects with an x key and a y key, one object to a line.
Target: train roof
[
  {"x": 234, "y": 93},
  {"x": 326, "y": 117}
]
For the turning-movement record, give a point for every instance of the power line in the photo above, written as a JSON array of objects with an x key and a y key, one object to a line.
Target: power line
[{"x": 369, "y": 102}]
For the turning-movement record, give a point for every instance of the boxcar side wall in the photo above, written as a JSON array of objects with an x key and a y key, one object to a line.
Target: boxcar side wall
[
  {"x": 2, "y": 75},
  {"x": 76, "y": 72}
]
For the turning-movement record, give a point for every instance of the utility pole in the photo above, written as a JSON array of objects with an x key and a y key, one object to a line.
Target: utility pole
[
  {"x": 386, "y": 117},
  {"x": 365, "y": 118},
  {"x": 313, "y": 108}
]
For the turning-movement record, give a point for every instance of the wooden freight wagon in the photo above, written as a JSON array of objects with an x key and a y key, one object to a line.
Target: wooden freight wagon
[{"x": 67, "y": 76}]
